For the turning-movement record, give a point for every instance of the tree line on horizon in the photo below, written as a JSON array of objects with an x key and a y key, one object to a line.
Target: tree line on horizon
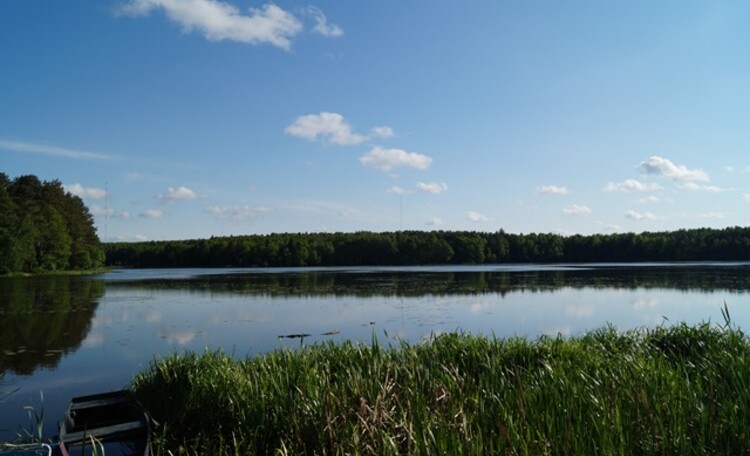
[
  {"x": 431, "y": 248},
  {"x": 44, "y": 228}
]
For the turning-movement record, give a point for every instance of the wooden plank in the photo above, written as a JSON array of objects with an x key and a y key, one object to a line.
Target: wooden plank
[{"x": 104, "y": 432}]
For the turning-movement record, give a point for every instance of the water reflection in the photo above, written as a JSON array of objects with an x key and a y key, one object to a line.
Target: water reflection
[
  {"x": 370, "y": 283},
  {"x": 42, "y": 319}
]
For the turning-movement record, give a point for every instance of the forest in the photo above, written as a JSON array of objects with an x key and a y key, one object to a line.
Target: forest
[
  {"x": 44, "y": 228},
  {"x": 432, "y": 248}
]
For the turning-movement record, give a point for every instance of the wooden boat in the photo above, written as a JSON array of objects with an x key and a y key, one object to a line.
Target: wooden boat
[{"x": 113, "y": 422}]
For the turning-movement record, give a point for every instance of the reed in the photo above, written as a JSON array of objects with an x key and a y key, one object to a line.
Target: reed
[{"x": 668, "y": 390}]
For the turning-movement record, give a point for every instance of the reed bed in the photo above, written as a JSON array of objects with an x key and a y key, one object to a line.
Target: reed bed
[{"x": 663, "y": 391}]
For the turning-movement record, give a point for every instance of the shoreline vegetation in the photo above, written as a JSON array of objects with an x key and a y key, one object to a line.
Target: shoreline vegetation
[
  {"x": 431, "y": 248},
  {"x": 667, "y": 390},
  {"x": 45, "y": 229}
]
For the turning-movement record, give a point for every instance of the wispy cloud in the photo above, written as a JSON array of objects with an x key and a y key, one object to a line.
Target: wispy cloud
[
  {"x": 551, "y": 190},
  {"x": 177, "y": 194},
  {"x": 432, "y": 187},
  {"x": 633, "y": 215},
  {"x": 712, "y": 215},
  {"x": 322, "y": 27},
  {"x": 388, "y": 159},
  {"x": 46, "y": 149},
  {"x": 396, "y": 190},
  {"x": 576, "y": 209},
  {"x": 662, "y": 167},
  {"x": 99, "y": 211},
  {"x": 693, "y": 187},
  {"x": 476, "y": 217},
  {"x": 152, "y": 213},
  {"x": 435, "y": 222},
  {"x": 219, "y": 21},
  {"x": 85, "y": 192},
  {"x": 237, "y": 213},
  {"x": 631, "y": 185},
  {"x": 648, "y": 199},
  {"x": 382, "y": 132}
]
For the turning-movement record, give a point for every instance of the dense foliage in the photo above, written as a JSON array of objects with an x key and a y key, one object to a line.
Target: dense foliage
[
  {"x": 436, "y": 247},
  {"x": 43, "y": 228},
  {"x": 680, "y": 390}
]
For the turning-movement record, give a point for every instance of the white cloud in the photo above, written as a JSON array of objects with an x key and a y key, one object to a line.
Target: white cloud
[
  {"x": 609, "y": 227},
  {"x": 382, "y": 132},
  {"x": 388, "y": 159},
  {"x": 330, "y": 126},
  {"x": 322, "y": 27},
  {"x": 649, "y": 199},
  {"x": 237, "y": 212},
  {"x": 631, "y": 185},
  {"x": 746, "y": 197},
  {"x": 551, "y": 190},
  {"x": 398, "y": 190},
  {"x": 46, "y": 149},
  {"x": 713, "y": 215},
  {"x": 98, "y": 211},
  {"x": 633, "y": 215},
  {"x": 178, "y": 194},
  {"x": 85, "y": 193},
  {"x": 152, "y": 213},
  {"x": 219, "y": 21},
  {"x": 436, "y": 222},
  {"x": 576, "y": 209},
  {"x": 477, "y": 217},
  {"x": 665, "y": 168},
  {"x": 693, "y": 187},
  {"x": 432, "y": 187}
]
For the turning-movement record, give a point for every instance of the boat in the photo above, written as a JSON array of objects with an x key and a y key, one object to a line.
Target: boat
[{"x": 109, "y": 423}]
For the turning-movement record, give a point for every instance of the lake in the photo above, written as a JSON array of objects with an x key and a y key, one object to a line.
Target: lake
[{"x": 68, "y": 336}]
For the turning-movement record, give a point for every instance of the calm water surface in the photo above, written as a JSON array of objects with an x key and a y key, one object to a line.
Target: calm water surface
[{"x": 68, "y": 336}]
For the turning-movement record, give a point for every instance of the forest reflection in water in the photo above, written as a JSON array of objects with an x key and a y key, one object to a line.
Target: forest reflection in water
[{"x": 72, "y": 335}]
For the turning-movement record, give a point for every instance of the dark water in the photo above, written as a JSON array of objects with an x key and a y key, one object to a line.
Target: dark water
[{"x": 68, "y": 336}]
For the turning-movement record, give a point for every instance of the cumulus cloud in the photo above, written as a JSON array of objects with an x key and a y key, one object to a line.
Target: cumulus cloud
[
  {"x": 237, "y": 212},
  {"x": 633, "y": 215},
  {"x": 551, "y": 190},
  {"x": 177, "y": 194},
  {"x": 631, "y": 185},
  {"x": 477, "y": 217},
  {"x": 152, "y": 213},
  {"x": 329, "y": 126},
  {"x": 219, "y": 21},
  {"x": 46, "y": 149},
  {"x": 576, "y": 209},
  {"x": 388, "y": 159},
  {"x": 398, "y": 190},
  {"x": 84, "y": 192},
  {"x": 322, "y": 27},
  {"x": 662, "y": 167},
  {"x": 436, "y": 222},
  {"x": 432, "y": 187}
]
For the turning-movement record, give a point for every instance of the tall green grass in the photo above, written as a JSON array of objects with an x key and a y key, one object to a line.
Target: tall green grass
[{"x": 669, "y": 390}]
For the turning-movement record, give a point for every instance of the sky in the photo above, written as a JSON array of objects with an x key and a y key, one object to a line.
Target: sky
[{"x": 183, "y": 119}]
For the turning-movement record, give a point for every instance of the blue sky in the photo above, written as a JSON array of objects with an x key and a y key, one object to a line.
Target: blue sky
[{"x": 192, "y": 118}]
